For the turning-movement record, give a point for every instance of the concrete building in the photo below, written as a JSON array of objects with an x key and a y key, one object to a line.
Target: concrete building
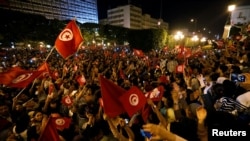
[
  {"x": 82, "y": 10},
  {"x": 130, "y": 16}
]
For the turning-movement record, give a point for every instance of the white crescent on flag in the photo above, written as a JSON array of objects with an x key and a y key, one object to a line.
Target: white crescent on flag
[
  {"x": 60, "y": 121},
  {"x": 66, "y": 35},
  {"x": 133, "y": 99},
  {"x": 22, "y": 77}
]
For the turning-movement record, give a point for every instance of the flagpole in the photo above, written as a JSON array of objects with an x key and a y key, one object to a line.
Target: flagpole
[
  {"x": 49, "y": 53},
  {"x": 20, "y": 92}
]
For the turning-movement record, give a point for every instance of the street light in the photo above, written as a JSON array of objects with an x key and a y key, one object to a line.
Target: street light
[
  {"x": 179, "y": 35},
  {"x": 228, "y": 23},
  {"x": 193, "y": 20},
  {"x": 231, "y": 8}
]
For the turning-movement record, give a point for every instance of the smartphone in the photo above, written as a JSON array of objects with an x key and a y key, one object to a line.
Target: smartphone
[
  {"x": 145, "y": 134},
  {"x": 237, "y": 77}
]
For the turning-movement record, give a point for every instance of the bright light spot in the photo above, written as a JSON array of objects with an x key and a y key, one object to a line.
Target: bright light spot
[{"x": 231, "y": 8}]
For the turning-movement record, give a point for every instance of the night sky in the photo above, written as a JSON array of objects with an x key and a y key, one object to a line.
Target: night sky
[{"x": 211, "y": 14}]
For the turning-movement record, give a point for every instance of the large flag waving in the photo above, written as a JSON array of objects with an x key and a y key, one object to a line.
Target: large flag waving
[
  {"x": 110, "y": 97},
  {"x": 24, "y": 79},
  {"x": 69, "y": 40},
  {"x": 9, "y": 75},
  {"x": 49, "y": 132},
  {"x": 18, "y": 78},
  {"x": 46, "y": 71},
  {"x": 133, "y": 100}
]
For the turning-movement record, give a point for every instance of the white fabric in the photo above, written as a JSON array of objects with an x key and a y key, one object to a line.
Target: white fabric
[{"x": 244, "y": 99}]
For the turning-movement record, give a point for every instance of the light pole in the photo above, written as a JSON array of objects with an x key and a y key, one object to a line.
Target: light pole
[
  {"x": 228, "y": 23},
  {"x": 194, "y": 20}
]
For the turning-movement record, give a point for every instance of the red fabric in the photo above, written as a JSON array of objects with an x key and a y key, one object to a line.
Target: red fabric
[
  {"x": 145, "y": 112},
  {"x": 67, "y": 101},
  {"x": 61, "y": 123},
  {"x": 179, "y": 69},
  {"x": 110, "y": 95},
  {"x": 9, "y": 75},
  {"x": 184, "y": 52},
  {"x": 69, "y": 40},
  {"x": 46, "y": 71},
  {"x": 18, "y": 78},
  {"x": 49, "y": 133},
  {"x": 138, "y": 53},
  {"x": 55, "y": 75},
  {"x": 156, "y": 94},
  {"x": 81, "y": 80},
  {"x": 133, "y": 100},
  {"x": 122, "y": 74},
  {"x": 164, "y": 79}
]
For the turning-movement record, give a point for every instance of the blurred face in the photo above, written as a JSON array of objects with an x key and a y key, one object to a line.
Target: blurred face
[
  {"x": 38, "y": 116},
  {"x": 88, "y": 96},
  {"x": 19, "y": 107},
  {"x": 4, "y": 110},
  {"x": 176, "y": 87}
]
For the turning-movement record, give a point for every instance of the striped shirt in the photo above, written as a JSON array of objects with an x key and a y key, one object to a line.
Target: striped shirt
[{"x": 227, "y": 104}]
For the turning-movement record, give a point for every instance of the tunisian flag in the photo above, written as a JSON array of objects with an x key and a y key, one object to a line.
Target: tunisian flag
[
  {"x": 18, "y": 78},
  {"x": 110, "y": 96},
  {"x": 24, "y": 79},
  {"x": 133, "y": 100},
  {"x": 9, "y": 75},
  {"x": 69, "y": 40},
  {"x": 61, "y": 123},
  {"x": 46, "y": 71},
  {"x": 49, "y": 133}
]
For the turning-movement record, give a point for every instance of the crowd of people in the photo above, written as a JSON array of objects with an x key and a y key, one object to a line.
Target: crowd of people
[{"x": 198, "y": 98}]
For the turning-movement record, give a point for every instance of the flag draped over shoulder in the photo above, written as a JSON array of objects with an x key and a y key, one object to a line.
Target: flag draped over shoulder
[
  {"x": 69, "y": 40},
  {"x": 133, "y": 100},
  {"x": 49, "y": 132},
  {"x": 18, "y": 78},
  {"x": 110, "y": 97}
]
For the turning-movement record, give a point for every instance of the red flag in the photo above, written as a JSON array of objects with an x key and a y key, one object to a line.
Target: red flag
[
  {"x": 179, "y": 69},
  {"x": 69, "y": 40},
  {"x": 55, "y": 75},
  {"x": 49, "y": 133},
  {"x": 46, "y": 71},
  {"x": 67, "y": 101},
  {"x": 133, "y": 100},
  {"x": 110, "y": 96},
  {"x": 9, "y": 75},
  {"x": 61, "y": 123},
  {"x": 122, "y": 74},
  {"x": 146, "y": 112},
  {"x": 81, "y": 80},
  {"x": 23, "y": 80},
  {"x": 19, "y": 78},
  {"x": 156, "y": 94},
  {"x": 138, "y": 53}
]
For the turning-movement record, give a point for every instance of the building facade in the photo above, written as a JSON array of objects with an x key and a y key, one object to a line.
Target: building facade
[
  {"x": 130, "y": 16},
  {"x": 84, "y": 11}
]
